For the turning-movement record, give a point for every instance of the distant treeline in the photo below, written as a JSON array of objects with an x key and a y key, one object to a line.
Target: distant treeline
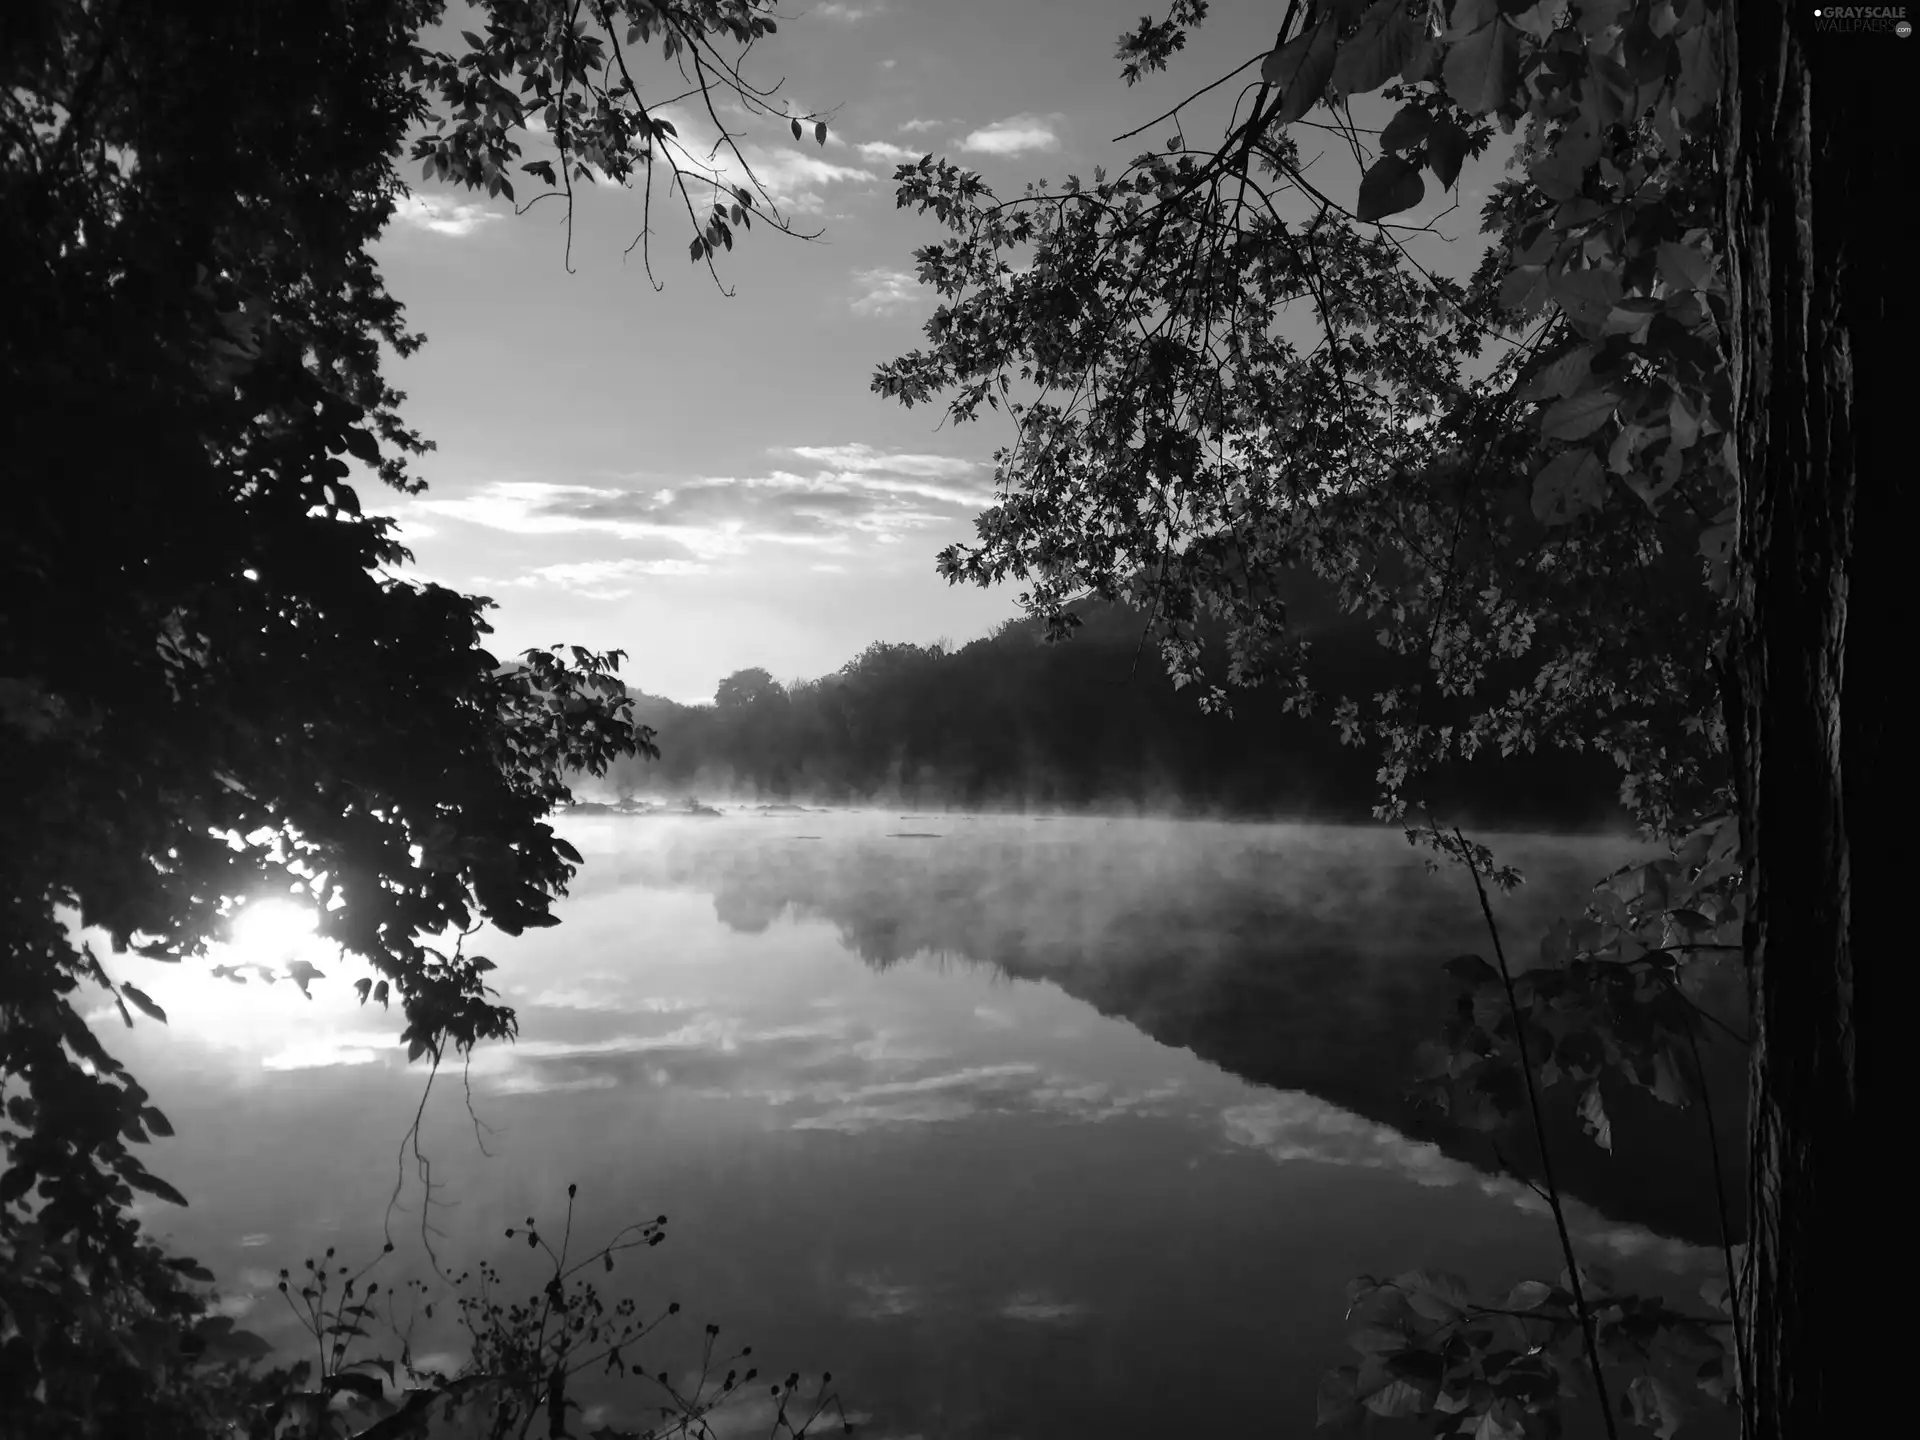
[{"x": 1012, "y": 722}]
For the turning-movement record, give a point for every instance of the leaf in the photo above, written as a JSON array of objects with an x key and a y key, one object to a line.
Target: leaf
[
  {"x": 1579, "y": 415},
  {"x": 1471, "y": 970},
  {"x": 1528, "y": 1295},
  {"x": 1595, "y": 17},
  {"x": 1523, "y": 288},
  {"x": 1682, "y": 423},
  {"x": 1420, "y": 59},
  {"x": 156, "y": 1122},
  {"x": 303, "y": 974},
  {"x": 143, "y": 1004},
  {"x": 364, "y": 1385},
  {"x": 1542, "y": 19},
  {"x": 361, "y": 445},
  {"x": 1670, "y": 1085},
  {"x": 1406, "y": 129},
  {"x": 1684, "y": 267},
  {"x": 1698, "y": 84},
  {"x": 820, "y": 132},
  {"x": 1482, "y": 70},
  {"x": 1561, "y": 173},
  {"x": 796, "y": 129},
  {"x": 1594, "y": 1119},
  {"x": 1434, "y": 1295},
  {"x": 142, "y": 1179},
  {"x": 1560, "y": 376},
  {"x": 1397, "y": 1398},
  {"x": 1588, "y": 296},
  {"x": 1654, "y": 1406},
  {"x": 1375, "y": 53},
  {"x": 1470, "y": 15},
  {"x": 1492, "y": 1426},
  {"x": 566, "y": 851},
  {"x": 1631, "y": 317},
  {"x": 1447, "y": 150},
  {"x": 1716, "y": 542},
  {"x": 1389, "y": 186},
  {"x": 1301, "y": 69},
  {"x": 1568, "y": 486},
  {"x": 1377, "y": 1340}
]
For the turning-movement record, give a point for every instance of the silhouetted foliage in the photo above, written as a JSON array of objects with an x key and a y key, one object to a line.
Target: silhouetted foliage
[
  {"x": 212, "y": 684},
  {"x": 1010, "y": 721}
]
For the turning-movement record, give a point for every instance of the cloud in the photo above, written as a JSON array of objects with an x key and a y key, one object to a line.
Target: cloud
[
  {"x": 928, "y": 1099},
  {"x": 1297, "y": 1126},
  {"x": 598, "y": 579},
  {"x": 846, "y": 14},
  {"x": 1294, "y": 1125},
  {"x": 349, "y": 1049},
  {"x": 865, "y": 460},
  {"x": 854, "y": 493},
  {"x": 441, "y": 216},
  {"x": 792, "y": 177},
  {"x": 531, "y": 1083},
  {"x": 918, "y": 124},
  {"x": 880, "y": 1300},
  {"x": 887, "y": 150},
  {"x": 887, "y": 292},
  {"x": 1013, "y": 136},
  {"x": 1035, "y": 1307},
  {"x": 596, "y": 999}
]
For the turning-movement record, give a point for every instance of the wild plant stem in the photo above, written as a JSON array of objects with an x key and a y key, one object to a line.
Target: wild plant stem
[
  {"x": 1720, "y": 1207},
  {"x": 1546, "y": 1156}
]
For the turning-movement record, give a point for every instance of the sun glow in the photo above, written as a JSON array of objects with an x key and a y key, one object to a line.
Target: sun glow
[
  {"x": 273, "y": 996},
  {"x": 269, "y": 930}
]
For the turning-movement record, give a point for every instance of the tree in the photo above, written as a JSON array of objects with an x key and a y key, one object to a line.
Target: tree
[
  {"x": 746, "y": 689},
  {"x": 212, "y": 685},
  {"x": 1179, "y": 445},
  {"x": 1813, "y": 146}
]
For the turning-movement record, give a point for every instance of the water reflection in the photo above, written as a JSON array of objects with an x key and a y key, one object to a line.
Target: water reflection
[
  {"x": 1296, "y": 957},
  {"x": 1123, "y": 1202}
]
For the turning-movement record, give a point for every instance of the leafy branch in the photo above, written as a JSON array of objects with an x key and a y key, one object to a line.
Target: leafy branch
[{"x": 574, "y": 63}]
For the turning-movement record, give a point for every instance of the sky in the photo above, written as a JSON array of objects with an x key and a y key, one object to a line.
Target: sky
[{"x": 708, "y": 483}]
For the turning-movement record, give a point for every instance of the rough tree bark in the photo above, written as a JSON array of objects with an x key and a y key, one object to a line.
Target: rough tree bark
[{"x": 1818, "y": 158}]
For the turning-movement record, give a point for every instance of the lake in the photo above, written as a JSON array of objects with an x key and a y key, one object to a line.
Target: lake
[{"x": 1022, "y": 1128}]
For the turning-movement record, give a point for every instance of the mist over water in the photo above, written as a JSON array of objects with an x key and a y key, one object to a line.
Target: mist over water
[{"x": 1020, "y": 1127}]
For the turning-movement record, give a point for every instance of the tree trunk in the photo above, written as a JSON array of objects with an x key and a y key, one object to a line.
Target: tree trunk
[{"x": 1817, "y": 160}]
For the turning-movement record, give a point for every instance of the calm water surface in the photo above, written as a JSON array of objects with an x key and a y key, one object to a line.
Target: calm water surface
[{"x": 1021, "y": 1128}]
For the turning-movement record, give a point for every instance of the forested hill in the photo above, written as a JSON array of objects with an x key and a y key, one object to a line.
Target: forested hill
[{"x": 1010, "y": 721}]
